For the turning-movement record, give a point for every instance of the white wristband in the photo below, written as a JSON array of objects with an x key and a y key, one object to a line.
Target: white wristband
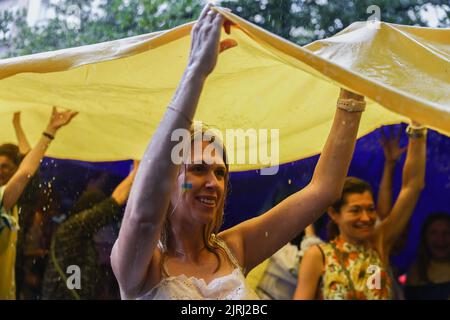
[{"x": 351, "y": 105}]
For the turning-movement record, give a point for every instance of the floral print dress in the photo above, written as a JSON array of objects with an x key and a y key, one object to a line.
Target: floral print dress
[{"x": 353, "y": 272}]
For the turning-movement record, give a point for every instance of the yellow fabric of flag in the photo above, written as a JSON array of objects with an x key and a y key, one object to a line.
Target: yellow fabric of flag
[{"x": 122, "y": 88}]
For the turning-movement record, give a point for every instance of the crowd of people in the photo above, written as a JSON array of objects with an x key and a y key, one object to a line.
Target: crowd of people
[{"x": 171, "y": 244}]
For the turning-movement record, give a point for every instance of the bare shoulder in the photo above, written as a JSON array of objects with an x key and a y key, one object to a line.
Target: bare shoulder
[{"x": 314, "y": 253}]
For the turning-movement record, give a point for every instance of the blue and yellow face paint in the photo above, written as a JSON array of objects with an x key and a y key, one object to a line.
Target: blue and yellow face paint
[{"x": 186, "y": 186}]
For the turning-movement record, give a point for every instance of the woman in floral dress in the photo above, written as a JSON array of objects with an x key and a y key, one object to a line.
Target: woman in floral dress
[{"x": 354, "y": 264}]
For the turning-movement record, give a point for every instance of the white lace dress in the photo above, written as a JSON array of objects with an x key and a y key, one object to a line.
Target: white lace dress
[{"x": 230, "y": 287}]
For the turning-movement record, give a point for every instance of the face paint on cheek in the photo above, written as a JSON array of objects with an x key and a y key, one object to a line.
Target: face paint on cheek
[{"x": 186, "y": 186}]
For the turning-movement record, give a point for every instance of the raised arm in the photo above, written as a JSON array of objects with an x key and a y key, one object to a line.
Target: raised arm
[
  {"x": 122, "y": 191},
  {"x": 392, "y": 152},
  {"x": 413, "y": 181},
  {"x": 134, "y": 252},
  {"x": 24, "y": 146},
  {"x": 30, "y": 163},
  {"x": 262, "y": 236}
]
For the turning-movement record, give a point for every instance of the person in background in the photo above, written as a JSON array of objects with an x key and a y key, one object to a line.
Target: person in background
[
  {"x": 279, "y": 278},
  {"x": 354, "y": 264},
  {"x": 76, "y": 241},
  {"x": 429, "y": 276},
  {"x": 392, "y": 152},
  {"x": 13, "y": 181}
]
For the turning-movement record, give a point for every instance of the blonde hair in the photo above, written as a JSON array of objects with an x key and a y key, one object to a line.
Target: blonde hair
[{"x": 211, "y": 229}]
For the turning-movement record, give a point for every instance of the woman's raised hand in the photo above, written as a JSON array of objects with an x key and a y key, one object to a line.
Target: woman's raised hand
[{"x": 206, "y": 45}]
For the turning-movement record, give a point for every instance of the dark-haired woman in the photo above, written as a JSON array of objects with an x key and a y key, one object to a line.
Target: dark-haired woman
[
  {"x": 354, "y": 264},
  {"x": 429, "y": 276}
]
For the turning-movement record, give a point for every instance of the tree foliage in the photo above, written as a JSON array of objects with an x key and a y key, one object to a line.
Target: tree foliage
[
  {"x": 80, "y": 22},
  {"x": 303, "y": 21}
]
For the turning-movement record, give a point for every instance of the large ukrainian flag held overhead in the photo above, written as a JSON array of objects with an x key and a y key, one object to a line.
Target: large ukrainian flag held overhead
[{"x": 122, "y": 88}]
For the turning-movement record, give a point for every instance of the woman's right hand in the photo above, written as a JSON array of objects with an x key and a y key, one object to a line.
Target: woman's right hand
[
  {"x": 59, "y": 119},
  {"x": 206, "y": 45},
  {"x": 391, "y": 145}
]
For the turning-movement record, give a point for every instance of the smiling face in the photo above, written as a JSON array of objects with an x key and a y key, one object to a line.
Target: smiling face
[
  {"x": 437, "y": 238},
  {"x": 357, "y": 217},
  {"x": 200, "y": 189}
]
